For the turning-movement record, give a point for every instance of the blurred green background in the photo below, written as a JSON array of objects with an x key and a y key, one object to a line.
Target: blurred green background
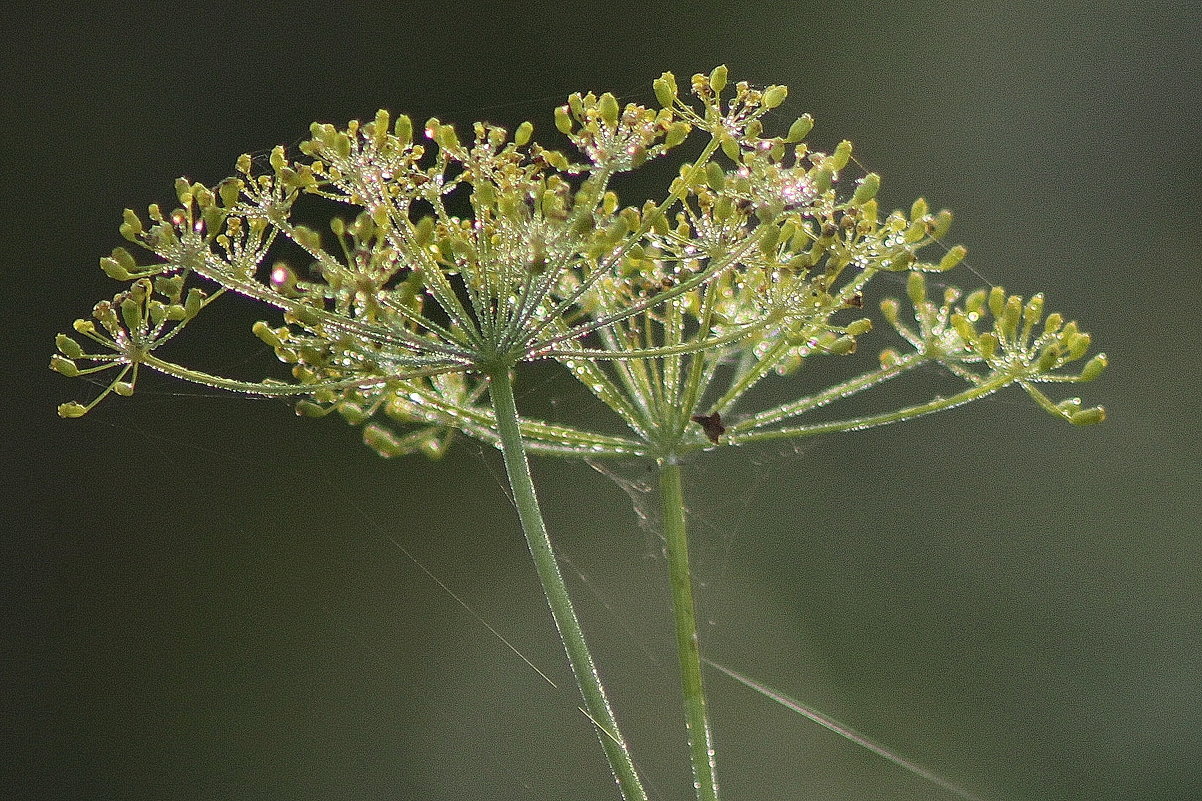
[{"x": 203, "y": 596}]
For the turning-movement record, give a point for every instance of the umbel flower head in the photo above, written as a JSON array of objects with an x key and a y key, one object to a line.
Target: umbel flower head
[{"x": 452, "y": 257}]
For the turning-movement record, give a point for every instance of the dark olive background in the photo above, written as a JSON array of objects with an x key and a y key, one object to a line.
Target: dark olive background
[{"x": 203, "y": 597}]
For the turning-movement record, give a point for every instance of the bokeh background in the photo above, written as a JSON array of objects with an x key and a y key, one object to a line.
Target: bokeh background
[{"x": 204, "y": 597}]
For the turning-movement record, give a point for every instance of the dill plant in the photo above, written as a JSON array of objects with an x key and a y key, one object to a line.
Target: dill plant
[{"x": 454, "y": 262}]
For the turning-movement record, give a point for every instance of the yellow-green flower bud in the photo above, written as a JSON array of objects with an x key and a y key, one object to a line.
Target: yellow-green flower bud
[
  {"x": 608, "y": 107},
  {"x": 266, "y": 333},
  {"x": 858, "y": 327},
  {"x": 820, "y": 177},
  {"x": 916, "y": 288},
  {"x": 289, "y": 177},
  {"x": 306, "y": 237},
  {"x": 1069, "y": 406},
  {"x": 964, "y": 328},
  {"x": 576, "y": 104},
  {"x": 403, "y": 129},
  {"x": 61, "y": 364},
  {"x": 1048, "y": 358},
  {"x": 869, "y": 214},
  {"x": 915, "y": 232},
  {"x": 68, "y": 346},
  {"x": 987, "y": 345},
  {"x": 307, "y": 408},
  {"x": 919, "y": 209},
  {"x": 523, "y": 133},
  {"x": 1078, "y": 346},
  {"x": 731, "y": 148},
  {"x": 1094, "y": 367},
  {"x": 941, "y": 225},
  {"x": 123, "y": 388},
  {"x": 463, "y": 249},
  {"x": 229, "y": 191},
  {"x": 953, "y": 257},
  {"x": 1052, "y": 322},
  {"x": 890, "y": 309},
  {"x": 997, "y": 301},
  {"x": 718, "y": 79},
  {"x": 382, "y": 441},
  {"x": 321, "y": 132},
  {"x": 194, "y": 302},
  {"x": 556, "y": 159},
  {"x": 113, "y": 269},
  {"x": 975, "y": 301},
  {"x": 212, "y": 217},
  {"x": 447, "y": 138},
  {"x": 131, "y": 226},
  {"x": 715, "y": 176},
  {"x": 724, "y": 209},
  {"x": 72, "y": 409},
  {"x": 800, "y": 127},
  {"x": 774, "y": 96},
  {"x": 1033, "y": 311},
  {"x": 842, "y": 346},
  {"x": 379, "y": 130},
  {"x": 841, "y": 156},
  {"x": 183, "y": 190},
  {"x": 659, "y": 223},
  {"x": 1088, "y": 417},
  {"x": 124, "y": 258},
  {"x": 677, "y": 133},
  {"x": 342, "y": 145},
  {"x": 609, "y": 202},
  {"x": 665, "y": 90},
  {"x": 131, "y": 314},
  {"x": 866, "y": 189},
  {"x": 159, "y": 311},
  {"x": 353, "y": 413},
  {"x": 1008, "y": 322}
]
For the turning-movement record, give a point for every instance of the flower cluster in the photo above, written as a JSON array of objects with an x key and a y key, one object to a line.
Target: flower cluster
[{"x": 460, "y": 258}]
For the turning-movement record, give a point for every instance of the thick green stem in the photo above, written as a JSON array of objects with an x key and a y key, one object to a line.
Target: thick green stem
[
  {"x": 596, "y": 705},
  {"x": 701, "y": 743}
]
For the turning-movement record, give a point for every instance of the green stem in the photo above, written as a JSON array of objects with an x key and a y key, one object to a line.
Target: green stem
[
  {"x": 837, "y": 392},
  {"x": 701, "y": 743},
  {"x": 281, "y": 389},
  {"x": 596, "y": 704},
  {"x": 981, "y": 390}
]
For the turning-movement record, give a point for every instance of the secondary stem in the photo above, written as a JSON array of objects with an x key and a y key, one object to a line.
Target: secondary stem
[
  {"x": 595, "y": 702},
  {"x": 701, "y": 743}
]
